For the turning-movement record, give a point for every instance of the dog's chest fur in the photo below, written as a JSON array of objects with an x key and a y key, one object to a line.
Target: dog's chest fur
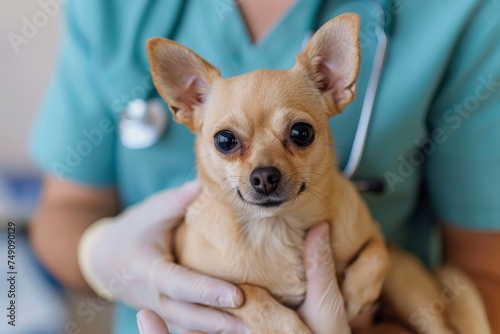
[
  {"x": 225, "y": 242},
  {"x": 266, "y": 252}
]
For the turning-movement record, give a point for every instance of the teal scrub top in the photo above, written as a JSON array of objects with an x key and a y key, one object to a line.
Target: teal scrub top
[{"x": 433, "y": 140}]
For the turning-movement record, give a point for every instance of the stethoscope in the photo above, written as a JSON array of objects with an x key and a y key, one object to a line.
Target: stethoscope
[{"x": 144, "y": 121}]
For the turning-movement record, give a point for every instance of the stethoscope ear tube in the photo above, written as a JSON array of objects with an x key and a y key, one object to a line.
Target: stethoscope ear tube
[{"x": 361, "y": 135}]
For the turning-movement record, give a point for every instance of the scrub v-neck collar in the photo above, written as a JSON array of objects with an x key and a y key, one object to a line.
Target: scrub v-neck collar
[{"x": 284, "y": 38}]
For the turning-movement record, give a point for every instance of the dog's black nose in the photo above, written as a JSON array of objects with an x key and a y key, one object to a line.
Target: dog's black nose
[{"x": 265, "y": 180}]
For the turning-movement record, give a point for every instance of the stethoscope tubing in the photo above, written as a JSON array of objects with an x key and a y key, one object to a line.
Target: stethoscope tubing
[{"x": 361, "y": 135}]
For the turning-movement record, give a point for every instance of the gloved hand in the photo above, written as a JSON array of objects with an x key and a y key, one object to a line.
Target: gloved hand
[
  {"x": 129, "y": 258},
  {"x": 323, "y": 309}
]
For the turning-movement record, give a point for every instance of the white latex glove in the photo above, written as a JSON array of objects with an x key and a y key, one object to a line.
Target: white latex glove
[
  {"x": 129, "y": 258},
  {"x": 323, "y": 309}
]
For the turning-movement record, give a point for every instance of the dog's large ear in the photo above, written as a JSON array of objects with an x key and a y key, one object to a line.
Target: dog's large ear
[
  {"x": 181, "y": 77},
  {"x": 331, "y": 59}
]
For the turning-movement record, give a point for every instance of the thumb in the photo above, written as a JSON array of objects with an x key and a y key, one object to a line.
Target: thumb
[
  {"x": 151, "y": 323},
  {"x": 323, "y": 308},
  {"x": 180, "y": 198},
  {"x": 169, "y": 205}
]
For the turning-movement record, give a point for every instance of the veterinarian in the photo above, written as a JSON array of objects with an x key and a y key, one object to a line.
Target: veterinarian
[{"x": 106, "y": 144}]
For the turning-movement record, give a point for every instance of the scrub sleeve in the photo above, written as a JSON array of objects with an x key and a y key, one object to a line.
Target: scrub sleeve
[
  {"x": 75, "y": 135},
  {"x": 98, "y": 73},
  {"x": 463, "y": 173}
]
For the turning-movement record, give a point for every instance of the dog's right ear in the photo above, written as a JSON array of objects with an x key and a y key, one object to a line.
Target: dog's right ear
[
  {"x": 331, "y": 59},
  {"x": 181, "y": 77}
]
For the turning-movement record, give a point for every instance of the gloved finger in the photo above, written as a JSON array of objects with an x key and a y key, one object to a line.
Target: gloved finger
[
  {"x": 183, "y": 284},
  {"x": 166, "y": 206},
  {"x": 151, "y": 323},
  {"x": 323, "y": 308},
  {"x": 200, "y": 318}
]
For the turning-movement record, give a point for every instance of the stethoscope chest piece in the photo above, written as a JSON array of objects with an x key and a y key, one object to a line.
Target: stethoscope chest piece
[{"x": 142, "y": 123}]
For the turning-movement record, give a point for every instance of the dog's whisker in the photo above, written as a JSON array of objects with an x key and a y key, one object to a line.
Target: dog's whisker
[
  {"x": 310, "y": 172},
  {"x": 306, "y": 174},
  {"x": 205, "y": 156},
  {"x": 330, "y": 177},
  {"x": 226, "y": 194},
  {"x": 232, "y": 201},
  {"x": 315, "y": 166},
  {"x": 317, "y": 196},
  {"x": 188, "y": 171},
  {"x": 227, "y": 179},
  {"x": 318, "y": 190}
]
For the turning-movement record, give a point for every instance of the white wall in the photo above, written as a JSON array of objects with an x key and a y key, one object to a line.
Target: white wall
[{"x": 24, "y": 73}]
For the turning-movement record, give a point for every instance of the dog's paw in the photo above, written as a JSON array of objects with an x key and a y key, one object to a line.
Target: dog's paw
[{"x": 358, "y": 295}]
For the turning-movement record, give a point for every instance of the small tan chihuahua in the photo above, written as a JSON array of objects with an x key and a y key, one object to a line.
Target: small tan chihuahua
[{"x": 264, "y": 154}]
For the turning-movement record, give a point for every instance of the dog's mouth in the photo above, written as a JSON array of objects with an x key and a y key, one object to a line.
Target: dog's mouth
[{"x": 271, "y": 202}]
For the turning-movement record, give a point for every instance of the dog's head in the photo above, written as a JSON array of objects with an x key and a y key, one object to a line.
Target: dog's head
[{"x": 263, "y": 136}]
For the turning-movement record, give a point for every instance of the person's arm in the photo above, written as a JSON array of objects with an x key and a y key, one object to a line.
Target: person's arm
[
  {"x": 66, "y": 209},
  {"x": 478, "y": 255},
  {"x": 463, "y": 173}
]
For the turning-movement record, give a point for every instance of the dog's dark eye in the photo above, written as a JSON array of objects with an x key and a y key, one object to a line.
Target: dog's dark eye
[
  {"x": 225, "y": 141},
  {"x": 302, "y": 134}
]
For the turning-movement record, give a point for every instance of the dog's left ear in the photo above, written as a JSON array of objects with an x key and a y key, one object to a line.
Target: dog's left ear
[
  {"x": 331, "y": 60},
  {"x": 182, "y": 78}
]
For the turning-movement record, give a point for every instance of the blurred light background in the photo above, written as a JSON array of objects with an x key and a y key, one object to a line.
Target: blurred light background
[{"x": 30, "y": 32}]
